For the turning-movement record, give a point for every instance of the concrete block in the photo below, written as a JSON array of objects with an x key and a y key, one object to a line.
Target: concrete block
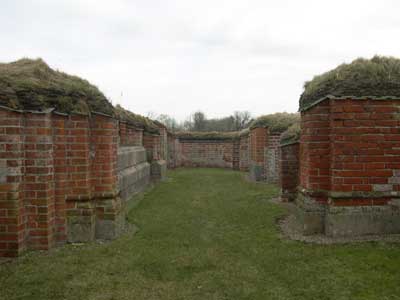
[
  {"x": 81, "y": 229},
  {"x": 256, "y": 172},
  {"x": 362, "y": 220},
  {"x": 159, "y": 169},
  {"x": 110, "y": 229}
]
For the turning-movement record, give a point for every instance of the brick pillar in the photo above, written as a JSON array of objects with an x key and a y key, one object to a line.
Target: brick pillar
[
  {"x": 258, "y": 142},
  {"x": 315, "y": 152},
  {"x": 80, "y": 209},
  {"x": 12, "y": 212},
  {"x": 163, "y": 143},
  {"x": 236, "y": 155},
  {"x": 244, "y": 153},
  {"x": 289, "y": 170},
  {"x": 39, "y": 181},
  {"x": 104, "y": 177},
  {"x": 60, "y": 140},
  {"x": 272, "y": 154}
]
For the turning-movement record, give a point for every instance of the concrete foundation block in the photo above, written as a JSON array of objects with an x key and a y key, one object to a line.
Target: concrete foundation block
[
  {"x": 310, "y": 215},
  {"x": 130, "y": 156},
  {"x": 81, "y": 229},
  {"x": 110, "y": 229},
  {"x": 256, "y": 172},
  {"x": 158, "y": 169},
  {"x": 362, "y": 220},
  {"x": 133, "y": 180}
]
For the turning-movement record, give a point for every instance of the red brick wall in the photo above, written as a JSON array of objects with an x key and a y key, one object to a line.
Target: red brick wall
[
  {"x": 174, "y": 155},
  {"x": 236, "y": 155},
  {"x": 365, "y": 143},
  {"x": 207, "y": 153},
  {"x": 152, "y": 143},
  {"x": 315, "y": 151},
  {"x": 244, "y": 153},
  {"x": 258, "y": 142},
  {"x": 350, "y": 146},
  {"x": 289, "y": 171},
  {"x": 272, "y": 153},
  {"x": 53, "y": 167},
  {"x": 12, "y": 211},
  {"x": 130, "y": 135}
]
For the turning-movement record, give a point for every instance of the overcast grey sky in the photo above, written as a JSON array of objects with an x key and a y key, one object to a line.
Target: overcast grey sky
[{"x": 179, "y": 56}]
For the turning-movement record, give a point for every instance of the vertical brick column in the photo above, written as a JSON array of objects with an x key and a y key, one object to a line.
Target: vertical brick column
[
  {"x": 244, "y": 153},
  {"x": 272, "y": 158},
  {"x": 236, "y": 154},
  {"x": 12, "y": 212},
  {"x": 315, "y": 156},
  {"x": 39, "y": 181},
  {"x": 130, "y": 135},
  {"x": 60, "y": 150},
  {"x": 163, "y": 143},
  {"x": 364, "y": 196},
  {"x": 80, "y": 209},
  {"x": 289, "y": 170},
  {"x": 104, "y": 177},
  {"x": 258, "y": 142}
]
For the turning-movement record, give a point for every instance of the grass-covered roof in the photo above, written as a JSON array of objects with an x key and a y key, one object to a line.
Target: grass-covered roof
[
  {"x": 276, "y": 123},
  {"x": 213, "y": 135},
  {"x": 137, "y": 120},
  {"x": 32, "y": 85},
  {"x": 291, "y": 135},
  {"x": 376, "y": 77}
]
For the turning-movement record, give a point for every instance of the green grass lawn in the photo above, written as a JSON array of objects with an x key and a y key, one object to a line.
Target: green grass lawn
[{"x": 206, "y": 234}]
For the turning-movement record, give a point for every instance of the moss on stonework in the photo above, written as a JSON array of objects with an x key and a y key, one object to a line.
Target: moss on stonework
[
  {"x": 29, "y": 84},
  {"x": 213, "y": 135},
  {"x": 276, "y": 123},
  {"x": 376, "y": 77}
]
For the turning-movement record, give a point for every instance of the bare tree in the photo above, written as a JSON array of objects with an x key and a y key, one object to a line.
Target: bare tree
[{"x": 241, "y": 119}]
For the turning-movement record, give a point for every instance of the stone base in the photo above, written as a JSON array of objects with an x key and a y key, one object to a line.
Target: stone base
[
  {"x": 81, "y": 221},
  {"x": 310, "y": 215},
  {"x": 362, "y": 220},
  {"x": 158, "y": 169},
  {"x": 346, "y": 221},
  {"x": 256, "y": 172},
  {"x": 288, "y": 196},
  {"x": 133, "y": 180},
  {"x": 133, "y": 171},
  {"x": 95, "y": 219}
]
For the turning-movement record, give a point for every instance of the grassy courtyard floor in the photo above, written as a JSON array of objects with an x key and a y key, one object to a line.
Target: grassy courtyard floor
[{"x": 206, "y": 234}]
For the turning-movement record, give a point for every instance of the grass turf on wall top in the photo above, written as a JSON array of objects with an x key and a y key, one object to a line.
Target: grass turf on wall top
[
  {"x": 376, "y": 77},
  {"x": 212, "y": 135},
  {"x": 291, "y": 135},
  {"x": 276, "y": 123},
  {"x": 137, "y": 120},
  {"x": 32, "y": 85},
  {"x": 29, "y": 84}
]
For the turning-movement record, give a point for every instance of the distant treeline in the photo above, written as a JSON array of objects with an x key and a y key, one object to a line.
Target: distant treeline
[{"x": 199, "y": 122}]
